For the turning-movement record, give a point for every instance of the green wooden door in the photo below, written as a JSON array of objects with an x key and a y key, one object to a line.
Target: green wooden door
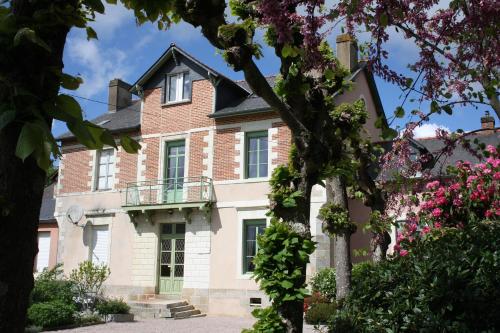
[
  {"x": 174, "y": 171},
  {"x": 172, "y": 258}
]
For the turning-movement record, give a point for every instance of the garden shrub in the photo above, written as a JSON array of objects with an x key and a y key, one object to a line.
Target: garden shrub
[
  {"x": 51, "y": 314},
  {"x": 323, "y": 282},
  {"x": 447, "y": 283},
  {"x": 268, "y": 321},
  {"x": 320, "y": 313},
  {"x": 51, "y": 285},
  {"x": 112, "y": 306},
  {"x": 88, "y": 279},
  {"x": 446, "y": 271}
]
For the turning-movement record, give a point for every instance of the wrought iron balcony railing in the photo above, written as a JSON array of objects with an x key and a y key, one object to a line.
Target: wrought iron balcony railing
[{"x": 170, "y": 191}]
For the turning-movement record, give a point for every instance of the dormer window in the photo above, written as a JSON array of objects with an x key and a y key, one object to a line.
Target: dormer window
[{"x": 178, "y": 87}]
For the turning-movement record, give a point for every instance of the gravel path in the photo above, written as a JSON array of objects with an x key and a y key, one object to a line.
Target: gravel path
[{"x": 193, "y": 325}]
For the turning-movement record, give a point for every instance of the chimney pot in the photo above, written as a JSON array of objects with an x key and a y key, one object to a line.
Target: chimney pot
[
  {"x": 488, "y": 122},
  {"x": 119, "y": 95},
  {"x": 347, "y": 51}
]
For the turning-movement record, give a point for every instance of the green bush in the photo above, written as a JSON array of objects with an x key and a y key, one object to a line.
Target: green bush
[
  {"x": 88, "y": 319},
  {"x": 320, "y": 313},
  {"x": 268, "y": 321},
  {"x": 88, "y": 279},
  {"x": 50, "y": 285},
  {"x": 323, "y": 282},
  {"x": 447, "y": 283},
  {"x": 51, "y": 314},
  {"x": 112, "y": 306}
]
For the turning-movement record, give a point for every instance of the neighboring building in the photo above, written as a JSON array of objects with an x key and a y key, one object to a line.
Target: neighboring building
[
  {"x": 48, "y": 232},
  {"x": 180, "y": 218}
]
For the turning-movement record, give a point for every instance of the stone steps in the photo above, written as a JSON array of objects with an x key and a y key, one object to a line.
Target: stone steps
[{"x": 150, "y": 308}]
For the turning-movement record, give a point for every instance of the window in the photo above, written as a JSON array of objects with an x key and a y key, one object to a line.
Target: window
[
  {"x": 42, "y": 258},
  {"x": 99, "y": 245},
  {"x": 256, "y": 154},
  {"x": 251, "y": 229},
  {"x": 178, "y": 87},
  {"x": 105, "y": 169}
]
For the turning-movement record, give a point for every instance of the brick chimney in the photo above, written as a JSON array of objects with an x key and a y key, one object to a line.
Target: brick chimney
[
  {"x": 487, "y": 123},
  {"x": 347, "y": 51},
  {"x": 119, "y": 95}
]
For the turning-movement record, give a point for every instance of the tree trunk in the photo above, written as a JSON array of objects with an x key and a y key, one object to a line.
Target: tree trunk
[
  {"x": 21, "y": 188},
  {"x": 336, "y": 193},
  {"x": 380, "y": 244},
  {"x": 30, "y": 68}
]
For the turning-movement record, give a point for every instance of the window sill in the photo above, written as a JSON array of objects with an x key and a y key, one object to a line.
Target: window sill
[
  {"x": 184, "y": 101},
  {"x": 245, "y": 276}
]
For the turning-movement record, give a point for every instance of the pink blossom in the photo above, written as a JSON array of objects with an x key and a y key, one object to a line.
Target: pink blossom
[
  {"x": 437, "y": 225},
  {"x": 491, "y": 149},
  {"x": 458, "y": 202},
  {"x": 403, "y": 253},
  {"x": 432, "y": 185},
  {"x": 436, "y": 212},
  {"x": 455, "y": 187},
  {"x": 441, "y": 201},
  {"x": 426, "y": 230}
]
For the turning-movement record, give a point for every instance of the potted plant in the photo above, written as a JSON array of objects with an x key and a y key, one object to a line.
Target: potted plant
[{"x": 114, "y": 310}]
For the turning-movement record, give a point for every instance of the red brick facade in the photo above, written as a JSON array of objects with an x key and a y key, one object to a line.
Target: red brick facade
[{"x": 188, "y": 120}]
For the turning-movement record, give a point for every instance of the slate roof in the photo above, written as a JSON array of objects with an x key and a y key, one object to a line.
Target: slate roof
[
  {"x": 48, "y": 205},
  {"x": 434, "y": 146},
  {"x": 123, "y": 120},
  {"x": 255, "y": 104},
  {"x": 251, "y": 104},
  {"x": 441, "y": 163}
]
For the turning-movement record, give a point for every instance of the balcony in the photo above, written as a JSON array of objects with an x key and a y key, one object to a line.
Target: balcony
[{"x": 185, "y": 194}]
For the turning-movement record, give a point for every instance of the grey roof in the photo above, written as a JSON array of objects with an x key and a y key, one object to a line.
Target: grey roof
[
  {"x": 248, "y": 105},
  {"x": 123, "y": 120},
  {"x": 169, "y": 53},
  {"x": 435, "y": 146},
  {"x": 255, "y": 104},
  {"x": 48, "y": 205}
]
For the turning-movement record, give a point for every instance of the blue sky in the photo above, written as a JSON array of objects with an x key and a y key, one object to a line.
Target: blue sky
[{"x": 125, "y": 50}]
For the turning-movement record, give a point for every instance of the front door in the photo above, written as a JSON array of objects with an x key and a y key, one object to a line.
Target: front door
[
  {"x": 172, "y": 258},
  {"x": 174, "y": 172}
]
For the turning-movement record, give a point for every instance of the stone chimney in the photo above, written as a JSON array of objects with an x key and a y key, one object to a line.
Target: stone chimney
[
  {"x": 347, "y": 51},
  {"x": 487, "y": 123},
  {"x": 119, "y": 95}
]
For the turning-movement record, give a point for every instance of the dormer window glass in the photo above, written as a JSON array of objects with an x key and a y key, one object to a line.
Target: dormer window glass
[{"x": 178, "y": 87}]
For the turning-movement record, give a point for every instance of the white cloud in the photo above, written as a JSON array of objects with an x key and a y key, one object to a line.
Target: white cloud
[
  {"x": 428, "y": 130},
  {"x": 115, "y": 17},
  {"x": 98, "y": 65}
]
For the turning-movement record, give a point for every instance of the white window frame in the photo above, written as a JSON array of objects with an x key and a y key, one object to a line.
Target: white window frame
[
  {"x": 179, "y": 88},
  {"x": 97, "y": 170}
]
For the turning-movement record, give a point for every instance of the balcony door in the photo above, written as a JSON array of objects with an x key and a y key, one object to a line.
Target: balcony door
[{"x": 174, "y": 171}]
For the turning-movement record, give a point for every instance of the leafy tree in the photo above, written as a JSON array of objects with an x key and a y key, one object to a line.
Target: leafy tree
[{"x": 32, "y": 38}]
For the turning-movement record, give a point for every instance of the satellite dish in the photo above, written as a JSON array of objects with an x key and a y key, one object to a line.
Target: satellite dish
[{"x": 74, "y": 214}]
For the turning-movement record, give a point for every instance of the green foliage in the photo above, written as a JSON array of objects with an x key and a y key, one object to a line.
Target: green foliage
[
  {"x": 112, "y": 306},
  {"x": 50, "y": 286},
  {"x": 279, "y": 263},
  {"x": 379, "y": 223},
  {"x": 324, "y": 283},
  {"x": 268, "y": 321},
  {"x": 320, "y": 313},
  {"x": 88, "y": 279},
  {"x": 283, "y": 195},
  {"x": 51, "y": 314},
  {"x": 30, "y": 78},
  {"x": 86, "y": 319},
  {"x": 336, "y": 219},
  {"x": 447, "y": 283}
]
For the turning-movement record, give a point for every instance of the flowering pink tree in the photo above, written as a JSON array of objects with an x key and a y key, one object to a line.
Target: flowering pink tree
[
  {"x": 457, "y": 41},
  {"x": 470, "y": 196}
]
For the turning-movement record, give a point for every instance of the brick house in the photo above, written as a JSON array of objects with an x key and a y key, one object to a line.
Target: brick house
[{"x": 180, "y": 218}]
